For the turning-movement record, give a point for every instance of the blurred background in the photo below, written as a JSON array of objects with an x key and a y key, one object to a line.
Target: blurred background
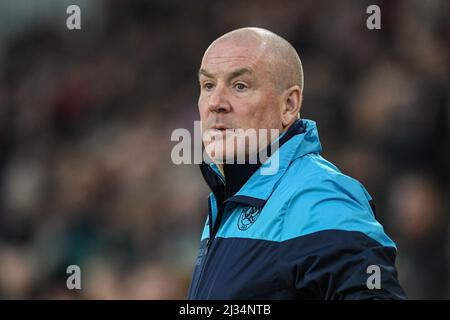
[{"x": 86, "y": 117}]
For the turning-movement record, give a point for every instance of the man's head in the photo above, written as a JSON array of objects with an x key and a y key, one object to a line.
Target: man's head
[{"x": 250, "y": 78}]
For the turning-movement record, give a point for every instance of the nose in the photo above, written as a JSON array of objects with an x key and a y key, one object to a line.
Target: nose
[{"x": 218, "y": 101}]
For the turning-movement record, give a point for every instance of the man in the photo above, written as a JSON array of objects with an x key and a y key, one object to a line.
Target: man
[{"x": 306, "y": 231}]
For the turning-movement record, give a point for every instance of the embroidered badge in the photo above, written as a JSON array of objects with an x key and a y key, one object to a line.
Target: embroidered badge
[{"x": 248, "y": 217}]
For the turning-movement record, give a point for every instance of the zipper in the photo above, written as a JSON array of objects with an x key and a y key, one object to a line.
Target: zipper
[
  {"x": 213, "y": 225},
  {"x": 207, "y": 246},
  {"x": 210, "y": 226},
  {"x": 212, "y": 234},
  {"x": 213, "y": 229}
]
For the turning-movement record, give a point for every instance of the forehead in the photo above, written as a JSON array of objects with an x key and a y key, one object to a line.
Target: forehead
[{"x": 227, "y": 56}]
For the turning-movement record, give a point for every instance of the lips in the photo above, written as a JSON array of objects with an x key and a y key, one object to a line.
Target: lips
[{"x": 220, "y": 127}]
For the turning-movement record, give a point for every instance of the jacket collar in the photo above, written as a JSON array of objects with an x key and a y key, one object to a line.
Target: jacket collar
[{"x": 249, "y": 183}]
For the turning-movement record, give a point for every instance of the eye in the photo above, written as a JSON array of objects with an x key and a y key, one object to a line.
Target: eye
[
  {"x": 208, "y": 86},
  {"x": 240, "y": 86}
]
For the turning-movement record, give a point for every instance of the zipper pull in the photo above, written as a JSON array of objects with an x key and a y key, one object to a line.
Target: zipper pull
[{"x": 208, "y": 243}]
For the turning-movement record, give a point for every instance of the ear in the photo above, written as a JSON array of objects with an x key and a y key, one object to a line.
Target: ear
[{"x": 291, "y": 104}]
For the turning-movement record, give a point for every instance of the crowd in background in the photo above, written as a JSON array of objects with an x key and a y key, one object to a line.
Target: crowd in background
[{"x": 86, "y": 116}]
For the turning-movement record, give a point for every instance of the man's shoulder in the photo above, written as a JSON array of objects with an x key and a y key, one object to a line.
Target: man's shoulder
[
  {"x": 312, "y": 169},
  {"x": 321, "y": 198}
]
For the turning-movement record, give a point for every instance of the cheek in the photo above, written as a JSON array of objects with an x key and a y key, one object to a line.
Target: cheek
[
  {"x": 266, "y": 111},
  {"x": 244, "y": 116},
  {"x": 247, "y": 108},
  {"x": 202, "y": 109}
]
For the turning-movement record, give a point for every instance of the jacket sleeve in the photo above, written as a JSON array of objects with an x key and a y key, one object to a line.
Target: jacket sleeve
[{"x": 333, "y": 247}]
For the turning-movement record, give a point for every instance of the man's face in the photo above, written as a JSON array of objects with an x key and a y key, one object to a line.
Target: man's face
[{"x": 237, "y": 91}]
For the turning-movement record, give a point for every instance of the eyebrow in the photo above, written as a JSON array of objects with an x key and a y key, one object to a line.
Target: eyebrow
[{"x": 233, "y": 74}]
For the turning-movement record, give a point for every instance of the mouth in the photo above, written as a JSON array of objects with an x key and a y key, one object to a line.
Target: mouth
[{"x": 220, "y": 127}]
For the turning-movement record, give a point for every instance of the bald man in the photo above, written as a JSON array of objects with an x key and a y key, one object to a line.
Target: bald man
[{"x": 304, "y": 231}]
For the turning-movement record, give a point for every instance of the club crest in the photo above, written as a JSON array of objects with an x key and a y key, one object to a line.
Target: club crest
[{"x": 248, "y": 217}]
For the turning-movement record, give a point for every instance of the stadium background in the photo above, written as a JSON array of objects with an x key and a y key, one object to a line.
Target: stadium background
[{"x": 86, "y": 117}]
